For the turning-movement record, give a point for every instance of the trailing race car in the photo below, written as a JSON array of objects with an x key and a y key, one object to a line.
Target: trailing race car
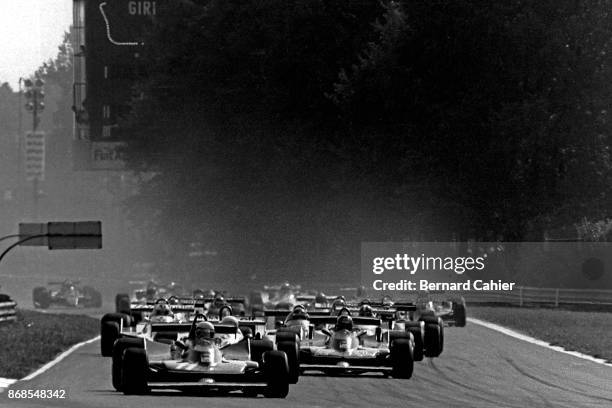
[
  {"x": 449, "y": 307},
  {"x": 426, "y": 328},
  {"x": 66, "y": 293},
  {"x": 210, "y": 356}
]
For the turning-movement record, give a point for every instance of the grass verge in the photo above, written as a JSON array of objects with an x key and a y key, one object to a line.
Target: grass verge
[
  {"x": 36, "y": 338},
  {"x": 585, "y": 332}
]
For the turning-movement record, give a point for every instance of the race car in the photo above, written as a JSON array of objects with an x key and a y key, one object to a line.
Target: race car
[
  {"x": 282, "y": 296},
  {"x": 146, "y": 292},
  {"x": 450, "y": 308},
  {"x": 207, "y": 356},
  {"x": 225, "y": 306},
  {"x": 141, "y": 319},
  {"x": 66, "y": 293},
  {"x": 308, "y": 342},
  {"x": 356, "y": 345},
  {"x": 426, "y": 328}
]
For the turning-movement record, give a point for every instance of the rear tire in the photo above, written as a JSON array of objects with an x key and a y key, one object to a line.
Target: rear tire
[
  {"x": 41, "y": 298},
  {"x": 117, "y": 364},
  {"x": 134, "y": 373},
  {"x": 259, "y": 347},
  {"x": 110, "y": 330},
  {"x": 434, "y": 339},
  {"x": 292, "y": 350},
  {"x": 276, "y": 370},
  {"x": 95, "y": 297},
  {"x": 417, "y": 329},
  {"x": 122, "y": 303},
  {"x": 459, "y": 313},
  {"x": 402, "y": 358}
]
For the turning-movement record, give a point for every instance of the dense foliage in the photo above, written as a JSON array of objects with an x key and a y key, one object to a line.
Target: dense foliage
[{"x": 283, "y": 133}]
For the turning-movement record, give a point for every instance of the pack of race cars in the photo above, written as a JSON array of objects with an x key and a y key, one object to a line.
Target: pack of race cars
[{"x": 262, "y": 343}]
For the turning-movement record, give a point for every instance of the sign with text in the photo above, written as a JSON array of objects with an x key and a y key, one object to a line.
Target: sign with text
[
  {"x": 35, "y": 155},
  {"x": 75, "y": 235},
  {"x": 89, "y": 155}
]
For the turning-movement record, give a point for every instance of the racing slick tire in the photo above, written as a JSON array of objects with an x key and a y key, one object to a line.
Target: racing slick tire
[
  {"x": 259, "y": 347},
  {"x": 459, "y": 314},
  {"x": 110, "y": 331},
  {"x": 276, "y": 371},
  {"x": 94, "y": 297},
  {"x": 417, "y": 329},
  {"x": 292, "y": 350},
  {"x": 134, "y": 371},
  {"x": 434, "y": 339},
  {"x": 117, "y": 364},
  {"x": 41, "y": 298},
  {"x": 122, "y": 303},
  {"x": 402, "y": 358}
]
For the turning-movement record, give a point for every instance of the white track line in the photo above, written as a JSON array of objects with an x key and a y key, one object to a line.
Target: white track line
[
  {"x": 5, "y": 383},
  {"x": 58, "y": 359},
  {"x": 532, "y": 340}
]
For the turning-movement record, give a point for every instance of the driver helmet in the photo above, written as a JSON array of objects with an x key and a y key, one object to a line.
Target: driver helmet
[
  {"x": 230, "y": 320},
  {"x": 320, "y": 298},
  {"x": 285, "y": 289},
  {"x": 298, "y": 315},
  {"x": 204, "y": 336},
  {"x": 162, "y": 312},
  {"x": 344, "y": 312},
  {"x": 344, "y": 323},
  {"x": 366, "y": 311},
  {"x": 338, "y": 304},
  {"x": 219, "y": 301},
  {"x": 151, "y": 292},
  {"x": 386, "y": 301}
]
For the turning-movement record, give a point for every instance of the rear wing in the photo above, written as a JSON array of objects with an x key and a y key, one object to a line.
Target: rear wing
[
  {"x": 170, "y": 327},
  {"x": 150, "y": 307},
  {"x": 225, "y": 329},
  {"x": 276, "y": 313}
]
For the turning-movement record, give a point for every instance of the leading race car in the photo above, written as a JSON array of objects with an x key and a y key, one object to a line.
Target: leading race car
[
  {"x": 343, "y": 344},
  {"x": 355, "y": 346},
  {"x": 67, "y": 293},
  {"x": 211, "y": 356}
]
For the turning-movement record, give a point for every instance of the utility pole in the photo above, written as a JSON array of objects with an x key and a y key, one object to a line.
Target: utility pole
[
  {"x": 34, "y": 95},
  {"x": 20, "y": 174}
]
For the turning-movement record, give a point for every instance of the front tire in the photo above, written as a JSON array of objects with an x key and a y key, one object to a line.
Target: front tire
[
  {"x": 117, "y": 363},
  {"x": 402, "y": 358},
  {"x": 276, "y": 370},
  {"x": 134, "y": 373},
  {"x": 292, "y": 350}
]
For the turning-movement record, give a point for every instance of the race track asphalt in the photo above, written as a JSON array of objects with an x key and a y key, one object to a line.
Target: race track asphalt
[{"x": 479, "y": 368}]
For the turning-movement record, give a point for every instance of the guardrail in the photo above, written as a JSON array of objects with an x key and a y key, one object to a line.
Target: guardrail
[
  {"x": 7, "y": 311},
  {"x": 520, "y": 296},
  {"x": 553, "y": 296}
]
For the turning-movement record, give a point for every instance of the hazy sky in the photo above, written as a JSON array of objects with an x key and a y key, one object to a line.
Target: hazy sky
[{"x": 30, "y": 32}]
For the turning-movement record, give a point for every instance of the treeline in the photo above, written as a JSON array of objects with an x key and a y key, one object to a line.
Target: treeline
[{"x": 283, "y": 133}]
